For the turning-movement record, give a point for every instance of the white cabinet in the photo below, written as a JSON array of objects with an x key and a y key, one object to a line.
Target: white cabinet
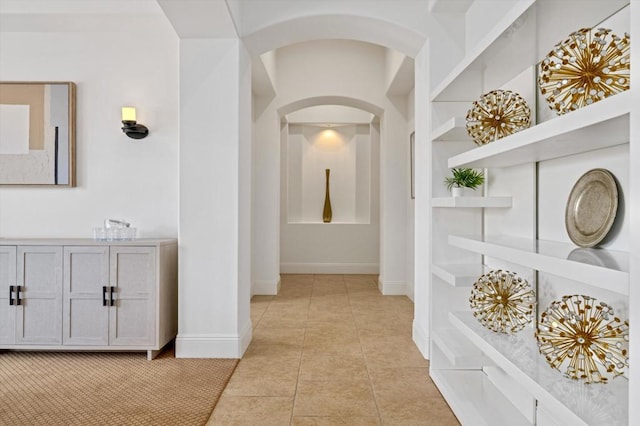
[
  {"x": 132, "y": 296},
  {"x": 38, "y": 298},
  {"x": 86, "y": 295},
  {"x": 31, "y": 301},
  {"x": 519, "y": 223},
  {"x": 8, "y": 277}
]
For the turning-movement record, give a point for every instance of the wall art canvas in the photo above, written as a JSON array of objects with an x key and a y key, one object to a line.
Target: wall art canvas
[{"x": 37, "y": 133}]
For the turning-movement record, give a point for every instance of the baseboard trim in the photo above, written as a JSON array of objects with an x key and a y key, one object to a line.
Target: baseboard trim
[
  {"x": 329, "y": 268},
  {"x": 266, "y": 287},
  {"x": 421, "y": 339},
  {"x": 392, "y": 288},
  {"x": 213, "y": 346}
]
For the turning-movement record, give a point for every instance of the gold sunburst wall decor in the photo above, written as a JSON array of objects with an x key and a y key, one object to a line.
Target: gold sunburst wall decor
[
  {"x": 584, "y": 339},
  {"x": 497, "y": 114},
  {"x": 588, "y": 66},
  {"x": 502, "y": 301}
]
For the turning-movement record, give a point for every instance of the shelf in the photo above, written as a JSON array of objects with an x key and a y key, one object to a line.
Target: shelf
[
  {"x": 453, "y": 130},
  {"x": 328, "y": 223},
  {"x": 459, "y": 275},
  {"x": 462, "y": 81},
  {"x": 474, "y": 399},
  {"x": 605, "y": 269},
  {"x": 600, "y": 125},
  {"x": 513, "y": 391},
  {"x": 472, "y": 202},
  {"x": 460, "y": 352},
  {"x": 575, "y": 402}
]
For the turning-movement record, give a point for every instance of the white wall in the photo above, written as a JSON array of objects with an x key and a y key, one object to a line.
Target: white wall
[
  {"x": 411, "y": 206},
  {"x": 113, "y": 65},
  {"x": 423, "y": 191},
  {"x": 215, "y": 155}
]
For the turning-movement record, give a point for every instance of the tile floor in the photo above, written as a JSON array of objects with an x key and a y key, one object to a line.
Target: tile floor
[{"x": 331, "y": 350}]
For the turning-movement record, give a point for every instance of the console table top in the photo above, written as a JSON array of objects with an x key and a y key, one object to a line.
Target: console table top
[{"x": 85, "y": 242}]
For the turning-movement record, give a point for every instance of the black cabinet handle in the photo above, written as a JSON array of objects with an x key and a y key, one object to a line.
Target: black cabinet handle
[
  {"x": 18, "y": 288},
  {"x": 11, "y": 290},
  {"x": 104, "y": 295},
  {"x": 111, "y": 301}
]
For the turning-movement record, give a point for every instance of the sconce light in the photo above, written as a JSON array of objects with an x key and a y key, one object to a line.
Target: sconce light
[{"x": 131, "y": 128}]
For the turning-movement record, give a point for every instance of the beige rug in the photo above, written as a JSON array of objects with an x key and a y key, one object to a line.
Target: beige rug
[{"x": 61, "y": 388}]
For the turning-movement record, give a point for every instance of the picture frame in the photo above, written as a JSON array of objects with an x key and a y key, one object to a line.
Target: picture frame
[
  {"x": 412, "y": 162},
  {"x": 37, "y": 136}
]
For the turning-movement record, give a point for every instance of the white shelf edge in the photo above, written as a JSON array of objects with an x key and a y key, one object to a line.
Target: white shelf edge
[
  {"x": 459, "y": 275},
  {"x": 553, "y": 258},
  {"x": 472, "y": 202},
  {"x": 513, "y": 391},
  {"x": 483, "y": 45},
  {"x": 328, "y": 223},
  {"x": 558, "y": 137},
  {"x": 518, "y": 356},
  {"x": 474, "y": 399},
  {"x": 458, "y": 349},
  {"x": 454, "y": 129}
]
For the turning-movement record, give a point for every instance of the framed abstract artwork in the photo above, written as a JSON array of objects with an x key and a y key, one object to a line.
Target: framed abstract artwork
[{"x": 37, "y": 133}]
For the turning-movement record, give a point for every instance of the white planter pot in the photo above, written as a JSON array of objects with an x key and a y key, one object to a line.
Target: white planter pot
[
  {"x": 465, "y": 192},
  {"x": 458, "y": 192}
]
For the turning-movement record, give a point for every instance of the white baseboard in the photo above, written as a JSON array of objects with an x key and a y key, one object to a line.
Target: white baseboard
[
  {"x": 411, "y": 291},
  {"x": 213, "y": 346},
  {"x": 329, "y": 268},
  {"x": 392, "y": 288},
  {"x": 266, "y": 287},
  {"x": 421, "y": 339}
]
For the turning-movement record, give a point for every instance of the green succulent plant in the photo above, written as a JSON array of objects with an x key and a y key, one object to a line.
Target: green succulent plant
[{"x": 464, "y": 178}]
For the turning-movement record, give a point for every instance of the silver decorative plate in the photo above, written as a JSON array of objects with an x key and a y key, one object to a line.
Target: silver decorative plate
[{"x": 591, "y": 208}]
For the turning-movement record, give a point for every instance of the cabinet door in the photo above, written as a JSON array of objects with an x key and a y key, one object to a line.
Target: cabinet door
[
  {"x": 39, "y": 316},
  {"x": 133, "y": 278},
  {"x": 7, "y": 279},
  {"x": 85, "y": 316}
]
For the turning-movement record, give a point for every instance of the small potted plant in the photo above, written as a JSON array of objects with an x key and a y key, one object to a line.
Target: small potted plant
[{"x": 463, "y": 178}]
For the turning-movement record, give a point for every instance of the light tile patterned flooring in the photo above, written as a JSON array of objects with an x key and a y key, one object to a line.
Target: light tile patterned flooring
[{"x": 331, "y": 350}]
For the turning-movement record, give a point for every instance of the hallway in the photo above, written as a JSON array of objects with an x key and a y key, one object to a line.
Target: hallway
[{"x": 331, "y": 350}]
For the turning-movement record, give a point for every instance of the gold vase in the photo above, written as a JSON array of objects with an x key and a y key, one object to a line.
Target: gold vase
[{"x": 326, "y": 212}]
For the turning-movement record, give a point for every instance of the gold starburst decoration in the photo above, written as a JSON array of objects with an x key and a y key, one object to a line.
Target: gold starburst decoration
[
  {"x": 497, "y": 114},
  {"x": 502, "y": 301},
  {"x": 586, "y": 67},
  {"x": 584, "y": 338}
]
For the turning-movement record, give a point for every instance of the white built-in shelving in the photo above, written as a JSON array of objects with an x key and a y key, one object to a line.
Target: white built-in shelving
[
  {"x": 575, "y": 402},
  {"x": 502, "y": 379},
  {"x": 603, "y": 124},
  {"x": 452, "y": 130},
  {"x": 459, "y": 274},
  {"x": 601, "y": 268},
  {"x": 481, "y": 402},
  {"x": 472, "y": 202},
  {"x": 458, "y": 350}
]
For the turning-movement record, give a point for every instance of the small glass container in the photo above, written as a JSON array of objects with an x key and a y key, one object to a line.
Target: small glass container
[
  {"x": 100, "y": 234},
  {"x": 114, "y": 234},
  {"x": 128, "y": 233}
]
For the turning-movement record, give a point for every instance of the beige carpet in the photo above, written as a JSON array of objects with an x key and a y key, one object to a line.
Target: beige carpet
[{"x": 60, "y": 388}]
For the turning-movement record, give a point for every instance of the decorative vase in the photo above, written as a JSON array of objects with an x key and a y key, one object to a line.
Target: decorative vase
[{"x": 326, "y": 212}]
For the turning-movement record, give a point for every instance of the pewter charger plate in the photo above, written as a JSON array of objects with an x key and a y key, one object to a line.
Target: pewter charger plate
[{"x": 591, "y": 208}]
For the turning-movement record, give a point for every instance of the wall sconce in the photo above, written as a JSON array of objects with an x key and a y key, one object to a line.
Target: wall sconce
[{"x": 131, "y": 127}]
